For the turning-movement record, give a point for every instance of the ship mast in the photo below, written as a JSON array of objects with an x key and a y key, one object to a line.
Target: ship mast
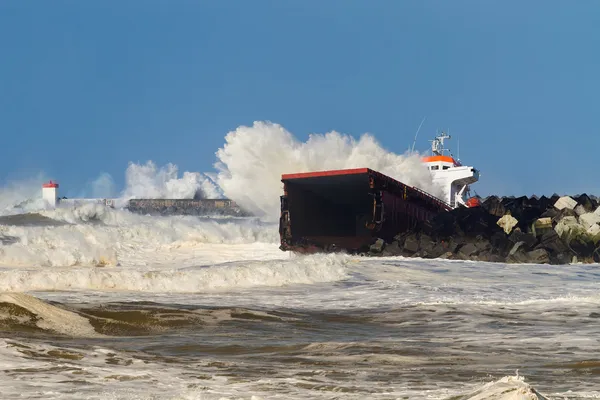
[{"x": 437, "y": 144}]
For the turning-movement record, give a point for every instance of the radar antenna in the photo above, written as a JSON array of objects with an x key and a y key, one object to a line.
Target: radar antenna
[{"x": 437, "y": 144}]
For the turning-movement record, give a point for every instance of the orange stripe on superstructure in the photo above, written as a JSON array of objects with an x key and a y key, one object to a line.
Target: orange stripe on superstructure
[{"x": 447, "y": 159}]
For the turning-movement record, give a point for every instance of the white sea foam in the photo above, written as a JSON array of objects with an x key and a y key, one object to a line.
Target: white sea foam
[
  {"x": 253, "y": 159},
  {"x": 199, "y": 279},
  {"x": 37, "y": 370},
  {"x": 531, "y": 338},
  {"x": 507, "y": 388},
  {"x": 49, "y": 371},
  {"x": 94, "y": 234}
]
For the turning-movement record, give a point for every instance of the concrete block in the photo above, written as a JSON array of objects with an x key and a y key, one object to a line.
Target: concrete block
[
  {"x": 507, "y": 223},
  {"x": 568, "y": 226},
  {"x": 565, "y": 202},
  {"x": 543, "y": 223},
  {"x": 588, "y": 219},
  {"x": 580, "y": 210},
  {"x": 541, "y": 226},
  {"x": 593, "y": 230}
]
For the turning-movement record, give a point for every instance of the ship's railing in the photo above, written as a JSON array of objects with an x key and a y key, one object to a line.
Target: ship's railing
[
  {"x": 421, "y": 192},
  {"x": 437, "y": 199}
]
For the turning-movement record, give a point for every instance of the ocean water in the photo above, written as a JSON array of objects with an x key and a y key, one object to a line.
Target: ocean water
[
  {"x": 99, "y": 303},
  {"x": 202, "y": 308}
]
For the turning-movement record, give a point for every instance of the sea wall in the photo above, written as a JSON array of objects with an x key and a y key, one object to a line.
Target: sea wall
[
  {"x": 556, "y": 230},
  {"x": 65, "y": 202},
  {"x": 207, "y": 207}
]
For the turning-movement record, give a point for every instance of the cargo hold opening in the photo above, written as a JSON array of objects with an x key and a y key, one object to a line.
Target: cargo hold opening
[{"x": 328, "y": 207}]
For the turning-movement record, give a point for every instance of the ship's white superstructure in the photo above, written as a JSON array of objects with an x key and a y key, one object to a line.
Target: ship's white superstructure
[{"x": 450, "y": 174}]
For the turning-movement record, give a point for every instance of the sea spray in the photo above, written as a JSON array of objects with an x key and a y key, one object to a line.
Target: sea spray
[
  {"x": 103, "y": 187},
  {"x": 149, "y": 181},
  {"x": 141, "y": 181},
  {"x": 22, "y": 196},
  {"x": 248, "y": 170},
  {"x": 254, "y": 157}
]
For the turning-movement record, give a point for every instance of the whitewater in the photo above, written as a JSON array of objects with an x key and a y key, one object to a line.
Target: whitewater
[{"x": 100, "y": 303}]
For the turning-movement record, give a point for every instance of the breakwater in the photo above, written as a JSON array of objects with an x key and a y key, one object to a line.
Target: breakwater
[
  {"x": 221, "y": 207},
  {"x": 555, "y": 230}
]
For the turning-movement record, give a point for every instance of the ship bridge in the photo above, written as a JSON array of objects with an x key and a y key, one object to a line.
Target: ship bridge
[{"x": 449, "y": 173}]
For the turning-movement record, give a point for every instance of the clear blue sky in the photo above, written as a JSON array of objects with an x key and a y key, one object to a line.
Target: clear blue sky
[{"x": 86, "y": 87}]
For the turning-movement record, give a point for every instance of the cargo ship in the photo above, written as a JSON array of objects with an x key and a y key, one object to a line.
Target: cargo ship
[{"x": 349, "y": 209}]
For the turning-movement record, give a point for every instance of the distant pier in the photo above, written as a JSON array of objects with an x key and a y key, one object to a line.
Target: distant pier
[
  {"x": 222, "y": 207},
  {"x": 219, "y": 207}
]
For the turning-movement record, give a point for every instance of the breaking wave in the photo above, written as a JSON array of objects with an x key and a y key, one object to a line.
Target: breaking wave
[
  {"x": 248, "y": 170},
  {"x": 254, "y": 157},
  {"x": 93, "y": 234},
  {"x": 20, "y": 310},
  {"x": 150, "y": 182},
  {"x": 199, "y": 279}
]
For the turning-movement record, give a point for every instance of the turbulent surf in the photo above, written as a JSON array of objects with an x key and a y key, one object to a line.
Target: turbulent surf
[{"x": 101, "y": 303}]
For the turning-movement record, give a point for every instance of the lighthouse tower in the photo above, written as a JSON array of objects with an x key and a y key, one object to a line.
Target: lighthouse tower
[{"x": 50, "y": 193}]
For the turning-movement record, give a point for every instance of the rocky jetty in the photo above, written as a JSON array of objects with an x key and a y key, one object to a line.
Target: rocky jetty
[{"x": 544, "y": 230}]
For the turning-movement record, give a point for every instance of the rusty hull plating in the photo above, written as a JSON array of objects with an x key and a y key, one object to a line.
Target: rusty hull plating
[{"x": 347, "y": 210}]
